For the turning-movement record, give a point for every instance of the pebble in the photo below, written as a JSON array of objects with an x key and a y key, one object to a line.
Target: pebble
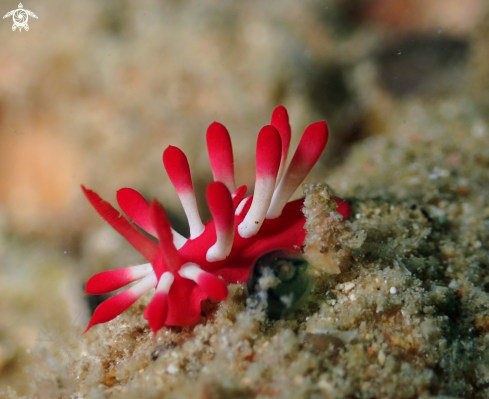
[
  {"x": 393, "y": 290},
  {"x": 347, "y": 287},
  {"x": 172, "y": 369},
  {"x": 321, "y": 342},
  {"x": 381, "y": 357}
]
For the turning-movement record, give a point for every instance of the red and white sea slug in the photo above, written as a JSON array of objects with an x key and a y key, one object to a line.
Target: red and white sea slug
[{"x": 185, "y": 271}]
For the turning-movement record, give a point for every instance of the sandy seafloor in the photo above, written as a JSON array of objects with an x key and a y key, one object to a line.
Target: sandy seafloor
[{"x": 400, "y": 302}]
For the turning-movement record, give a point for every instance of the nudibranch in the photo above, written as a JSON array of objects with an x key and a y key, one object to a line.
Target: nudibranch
[{"x": 186, "y": 271}]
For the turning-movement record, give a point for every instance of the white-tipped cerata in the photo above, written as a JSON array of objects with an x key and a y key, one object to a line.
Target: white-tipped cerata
[
  {"x": 222, "y": 209},
  {"x": 178, "y": 240},
  {"x": 241, "y": 205},
  {"x": 157, "y": 309},
  {"x": 212, "y": 285},
  {"x": 166, "y": 280},
  {"x": 144, "y": 285},
  {"x": 112, "y": 280},
  {"x": 310, "y": 148},
  {"x": 268, "y": 152},
  {"x": 118, "y": 303},
  {"x": 140, "y": 271},
  {"x": 191, "y": 271},
  {"x": 176, "y": 165}
]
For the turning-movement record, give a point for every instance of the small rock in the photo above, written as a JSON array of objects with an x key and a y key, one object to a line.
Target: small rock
[
  {"x": 381, "y": 357},
  {"x": 172, "y": 369},
  {"x": 347, "y": 287},
  {"x": 321, "y": 342}
]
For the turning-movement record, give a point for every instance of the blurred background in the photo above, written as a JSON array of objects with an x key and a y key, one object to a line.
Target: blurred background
[{"x": 96, "y": 90}]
